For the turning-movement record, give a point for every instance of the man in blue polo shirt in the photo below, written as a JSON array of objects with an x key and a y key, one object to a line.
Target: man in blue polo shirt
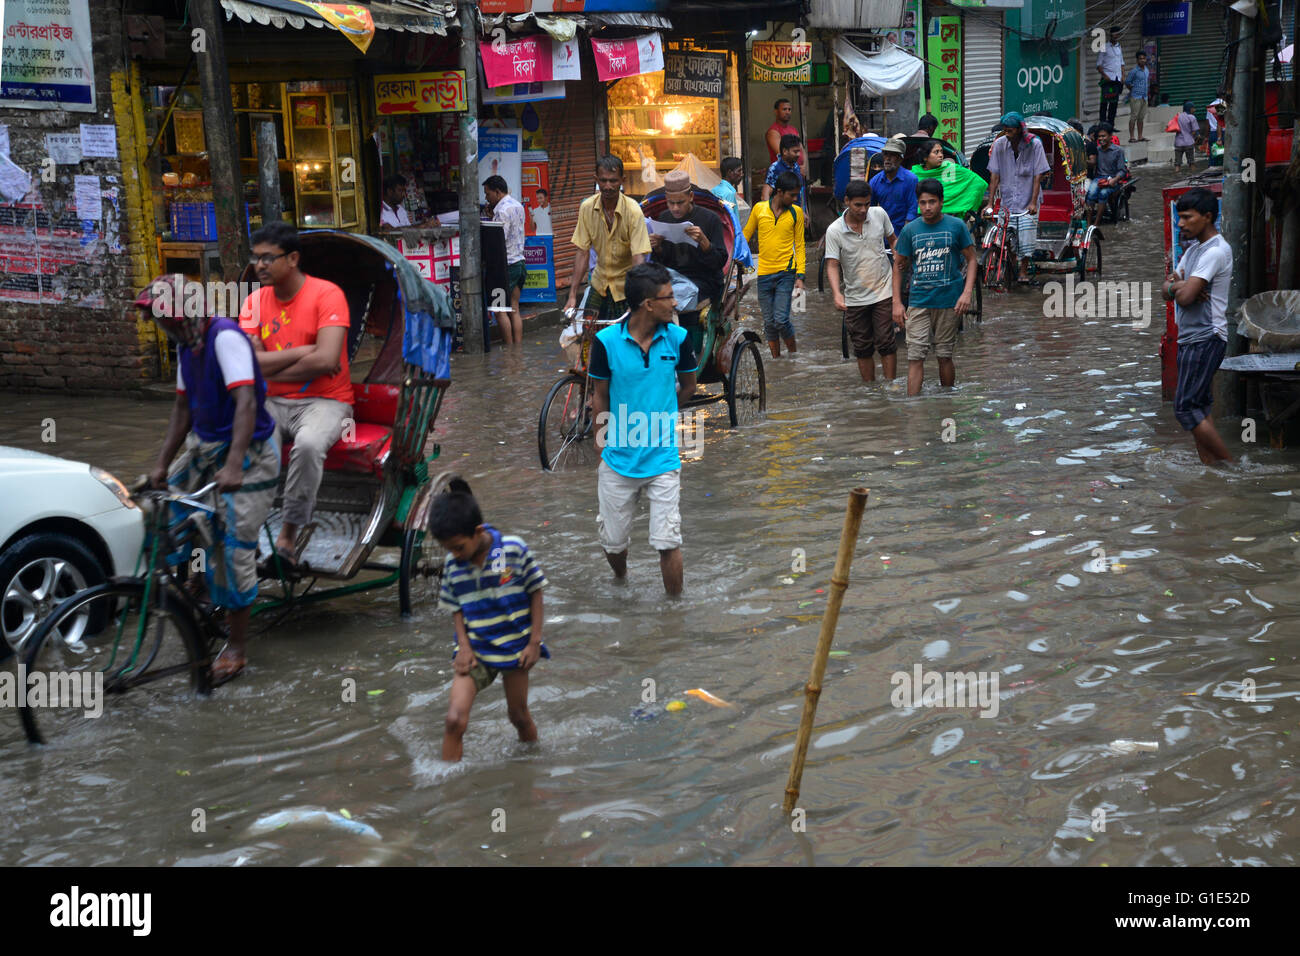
[
  {"x": 644, "y": 371},
  {"x": 894, "y": 188}
]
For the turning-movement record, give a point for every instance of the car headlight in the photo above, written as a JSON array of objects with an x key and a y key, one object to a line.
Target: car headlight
[{"x": 112, "y": 484}]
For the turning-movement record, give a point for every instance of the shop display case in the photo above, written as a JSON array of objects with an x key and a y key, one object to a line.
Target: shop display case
[
  {"x": 325, "y": 167},
  {"x": 644, "y": 124},
  {"x": 254, "y": 103}
]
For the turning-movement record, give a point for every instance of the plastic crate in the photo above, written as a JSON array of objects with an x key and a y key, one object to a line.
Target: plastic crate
[{"x": 194, "y": 221}]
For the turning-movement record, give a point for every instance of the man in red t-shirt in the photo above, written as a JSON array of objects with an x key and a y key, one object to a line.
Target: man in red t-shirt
[
  {"x": 299, "y": 327},
  {"x": 781, "y": 127}
]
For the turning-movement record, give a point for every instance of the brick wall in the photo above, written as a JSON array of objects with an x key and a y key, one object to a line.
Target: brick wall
[{"x": 89, "y": 340}]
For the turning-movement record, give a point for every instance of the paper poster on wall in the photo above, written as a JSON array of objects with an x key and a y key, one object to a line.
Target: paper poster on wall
[
  {"x": 48, "y": 259},
  {"x": 98, "y": 141},
  {"x": 4, "y": 134},
  {"x": 90, "y": 203},
  {"x": 45, "y": 56},
  {"x": 501, "y": 153},
  {"x": 63, "y": 148}
]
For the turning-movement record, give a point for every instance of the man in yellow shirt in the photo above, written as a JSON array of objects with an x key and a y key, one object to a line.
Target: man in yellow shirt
[
  {"x": 780, "y": 260},
  {"x": 612, "y": 224}
]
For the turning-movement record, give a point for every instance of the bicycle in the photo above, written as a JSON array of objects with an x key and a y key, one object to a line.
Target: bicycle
[
  {"x": 566, "y": 433},
  {"x": 132, "y": 631}
]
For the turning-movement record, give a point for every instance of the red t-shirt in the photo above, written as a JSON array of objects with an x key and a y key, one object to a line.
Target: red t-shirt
[
  {"x": 783, "y": 131},
  {"x": 286, "y": 325}
]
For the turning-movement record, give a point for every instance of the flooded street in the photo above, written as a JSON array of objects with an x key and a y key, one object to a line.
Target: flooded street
[{"x": 978, "y": 554}]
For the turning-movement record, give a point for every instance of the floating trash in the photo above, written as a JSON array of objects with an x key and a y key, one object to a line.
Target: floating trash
[
  {"x": 674, "y": 706},
  {"x": 708, "y": 698},
  {"x": 1134, "y": 746}
]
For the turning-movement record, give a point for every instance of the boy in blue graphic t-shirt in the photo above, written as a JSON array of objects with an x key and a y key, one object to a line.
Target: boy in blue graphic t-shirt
[{"x": 934, "y": 246}]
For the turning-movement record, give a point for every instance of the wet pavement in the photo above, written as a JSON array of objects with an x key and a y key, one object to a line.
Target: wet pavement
[{"x": 978, "y": 554}]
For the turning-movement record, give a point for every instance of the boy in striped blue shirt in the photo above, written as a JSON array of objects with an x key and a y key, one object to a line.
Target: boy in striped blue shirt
[{"x": 494, "y": 587}]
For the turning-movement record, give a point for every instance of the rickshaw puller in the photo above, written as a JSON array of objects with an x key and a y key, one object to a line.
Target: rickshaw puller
[
  {"x": 220, "y": 415},
  {"x": 1016, "y": 166},
  {"x": 612, "y": 224},
  {"x": 299, "y": 328}
]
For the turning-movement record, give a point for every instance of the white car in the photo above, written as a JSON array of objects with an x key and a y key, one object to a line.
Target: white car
[{"x": 64, "y": 526}]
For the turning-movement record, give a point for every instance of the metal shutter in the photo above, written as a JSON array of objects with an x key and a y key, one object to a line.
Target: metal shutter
[
  {"x": 570, "y": 128},
  {"x": 981, "y": 94},
  {"x": 1191, "y": 67}
]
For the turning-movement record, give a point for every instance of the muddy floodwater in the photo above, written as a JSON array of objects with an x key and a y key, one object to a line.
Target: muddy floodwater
[{"x": 979, "y": 554}]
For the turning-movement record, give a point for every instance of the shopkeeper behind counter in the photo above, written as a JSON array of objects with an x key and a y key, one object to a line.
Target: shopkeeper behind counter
[{"x": 392, "y": 211}]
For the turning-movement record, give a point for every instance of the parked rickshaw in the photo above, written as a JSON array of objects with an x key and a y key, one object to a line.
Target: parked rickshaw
[
  {"x": 1066, "y": 242},
  {"x": 729, "y": 356},
  {"x": 376, "y": 492}
]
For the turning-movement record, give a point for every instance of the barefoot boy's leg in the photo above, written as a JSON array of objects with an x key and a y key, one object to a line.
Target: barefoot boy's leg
[
  {"x": 516, "y": 687},
  {"x": 1209, "y": 442},
  {"x": 463, "y": 692}
]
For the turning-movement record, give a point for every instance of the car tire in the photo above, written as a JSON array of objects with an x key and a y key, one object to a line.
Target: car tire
[{"x": 36, "y": 573}]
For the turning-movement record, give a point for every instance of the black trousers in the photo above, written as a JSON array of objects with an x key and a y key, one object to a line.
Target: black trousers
[{"x": 1110, "y": 90}]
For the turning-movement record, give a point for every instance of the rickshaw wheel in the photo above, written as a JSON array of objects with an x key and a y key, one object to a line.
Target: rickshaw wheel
[
  {"x": 1090, "y": 260},
  {"x": 566, "y": 433},
  {"x": 416, "y": 572},
  {"x": 746, "y": 386}
]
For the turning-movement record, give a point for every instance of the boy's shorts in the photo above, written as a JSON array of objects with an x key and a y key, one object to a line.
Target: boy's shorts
[
  {"x": 871, "y": 328},
  {"x": 483, "y": 676},
  {"x": 618, "y": 496},
  {"x": 1197, "y": 363},
  {"x": 931, "y": 326}
]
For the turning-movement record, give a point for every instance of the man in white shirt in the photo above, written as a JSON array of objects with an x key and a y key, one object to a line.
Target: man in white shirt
[
  {"x": 506, "y": 209},
  {"x": 861, "y": 276},
  {"x": 392, "y": 211},
  {"x": 1110, "y": 64}
]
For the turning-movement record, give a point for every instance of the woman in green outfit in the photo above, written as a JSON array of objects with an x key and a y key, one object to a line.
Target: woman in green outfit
[{"x": 963, "y": 189}]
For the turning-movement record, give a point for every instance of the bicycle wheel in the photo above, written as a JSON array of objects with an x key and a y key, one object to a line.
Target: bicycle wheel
[
  {"x": 105, "y": 640},
  {"x": 420, "y": 576},
  {"x": 747, "y": 386},
  {"x": 566, "y": 434}
]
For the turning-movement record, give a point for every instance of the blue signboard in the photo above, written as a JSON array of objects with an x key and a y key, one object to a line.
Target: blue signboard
[
  {"x": 1167, "y": 20},
  {"x": 539, "y": 260}
]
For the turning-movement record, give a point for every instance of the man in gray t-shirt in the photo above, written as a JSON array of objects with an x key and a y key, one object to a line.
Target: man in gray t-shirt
[
  {"x": 1199, "y": 290},
  {"x": 1112, "y": 170}
]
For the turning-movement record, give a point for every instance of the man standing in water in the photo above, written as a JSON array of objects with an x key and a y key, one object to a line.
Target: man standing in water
[
  {"x": 1199, "y": 290},
  {"x": 644, "y": 371},
  {"x": 934, "y": 245},
  {"x": 856, "y": 246}
]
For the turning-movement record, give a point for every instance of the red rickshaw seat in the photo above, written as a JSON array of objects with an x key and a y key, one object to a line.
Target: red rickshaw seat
[
  {"x": 364, "y": 447},
  {"x": 1057, "y": 206}
]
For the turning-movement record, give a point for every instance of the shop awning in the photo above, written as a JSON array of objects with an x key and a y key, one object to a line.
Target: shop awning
[
  {"x": 565, "y": 26},
  {"x": 890, "y": 71},
  {"x": 408, "y": 17},
  {"x": 856, "y": 14}
]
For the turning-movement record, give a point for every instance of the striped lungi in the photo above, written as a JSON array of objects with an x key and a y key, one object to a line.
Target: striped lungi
[{"x": 1025, "y": 226}]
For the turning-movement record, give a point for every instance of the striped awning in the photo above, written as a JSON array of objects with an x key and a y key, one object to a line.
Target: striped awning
[{"x": 406, "y": 17}]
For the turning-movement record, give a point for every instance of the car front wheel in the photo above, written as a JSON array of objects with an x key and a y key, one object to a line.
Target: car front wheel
[{"x": 37, "y": 572}]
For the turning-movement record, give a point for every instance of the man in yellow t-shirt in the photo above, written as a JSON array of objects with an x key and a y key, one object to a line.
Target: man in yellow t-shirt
[
  {"x": 613, "y": 225},
  {"x": 781, "y": 261}
]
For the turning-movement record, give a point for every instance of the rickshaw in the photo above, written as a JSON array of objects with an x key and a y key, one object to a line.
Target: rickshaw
[
  {"x": 729, "y": 355},
  {"x": 1066, "y": 242},
  {"x": 376, "y": 492}
]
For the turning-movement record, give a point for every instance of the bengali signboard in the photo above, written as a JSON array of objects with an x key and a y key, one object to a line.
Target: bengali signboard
[
  {"x": 695, "y": 73},
  {"x": 442, "y": 91},
  {"x": 45, "y": 58},
  {"x": 535, "y": 59},
  {"x": 777, "y": 62},
  {"x": 943, "y": 47}
]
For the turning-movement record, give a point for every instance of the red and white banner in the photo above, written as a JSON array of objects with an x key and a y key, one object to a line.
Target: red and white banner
[
  {"x": 536, "y": 59},
  {"x": 616, "y": 59}
]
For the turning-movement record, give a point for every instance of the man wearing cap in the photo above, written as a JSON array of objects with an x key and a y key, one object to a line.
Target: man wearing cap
[
  {"x": 701, "y": 260},
  {"x": 894, "y": 188},
  {"x": 1110, "y": 66},
  {"x": 1016, "y": 166},
  {"x": 220, "y": 416}
]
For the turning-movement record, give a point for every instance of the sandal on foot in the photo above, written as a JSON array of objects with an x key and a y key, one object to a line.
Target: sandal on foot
[{"x": 226, "y": 668}]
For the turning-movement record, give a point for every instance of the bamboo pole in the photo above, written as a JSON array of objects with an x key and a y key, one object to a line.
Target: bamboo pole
[{"x": 812, "y": 690}]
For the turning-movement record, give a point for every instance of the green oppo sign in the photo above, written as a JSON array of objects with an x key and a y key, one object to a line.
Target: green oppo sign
[{"x": 1041, "y": 76}]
